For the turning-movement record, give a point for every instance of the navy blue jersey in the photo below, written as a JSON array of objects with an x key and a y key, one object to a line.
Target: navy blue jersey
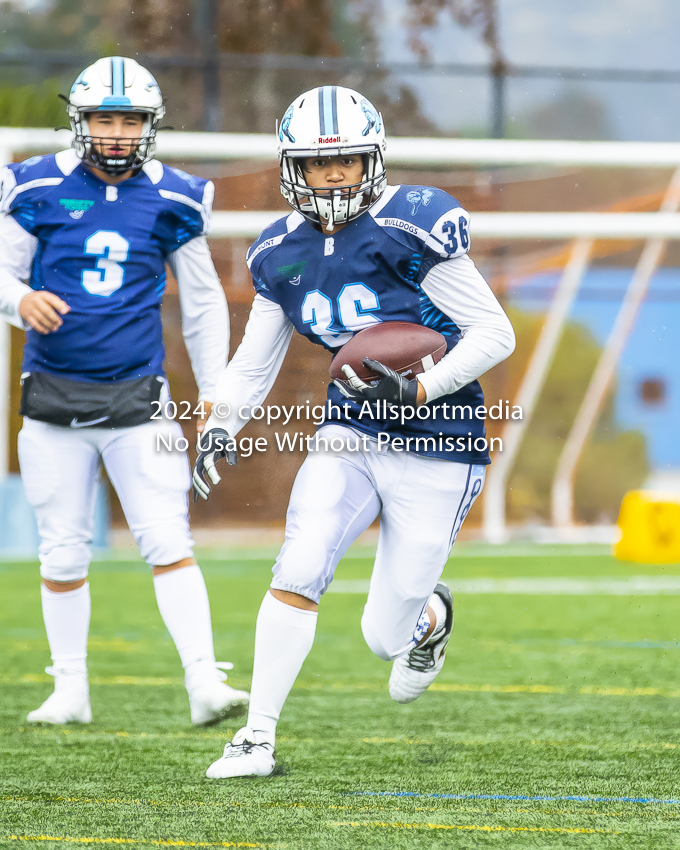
[
  {"x": 331, "y": 286},
  {"x": 103, "y": 249}
]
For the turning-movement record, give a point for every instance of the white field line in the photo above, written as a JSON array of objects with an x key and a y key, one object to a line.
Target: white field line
[{"x": 599, "y": 586}]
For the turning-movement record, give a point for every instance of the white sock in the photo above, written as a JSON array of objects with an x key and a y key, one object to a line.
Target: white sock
[
  {"x": 435, "y": 602},
  {"x": 67, "y": 622},
  {"x": 283, "y": 638},
  {"x": 423, "y": 624},
  {"x": 182, "y": 599}
]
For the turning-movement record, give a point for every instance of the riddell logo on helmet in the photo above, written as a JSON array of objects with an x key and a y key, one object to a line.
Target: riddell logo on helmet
[{"x": 329, "y": 140}]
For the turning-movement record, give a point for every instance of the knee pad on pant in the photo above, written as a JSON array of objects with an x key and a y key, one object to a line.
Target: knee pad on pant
[
  {"x": 161, "y": 545},
  {"x": 65, "y": 563}
]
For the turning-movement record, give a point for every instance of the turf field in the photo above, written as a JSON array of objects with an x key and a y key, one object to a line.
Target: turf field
[{"x": 555, "y": 723}]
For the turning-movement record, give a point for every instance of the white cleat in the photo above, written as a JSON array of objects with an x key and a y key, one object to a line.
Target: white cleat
[
  {"x": 413, "y": 673},
  {"x": 70, "y": 702},
  {"x": 249, "y": 754},
  {"x": 210, "y": 698}
]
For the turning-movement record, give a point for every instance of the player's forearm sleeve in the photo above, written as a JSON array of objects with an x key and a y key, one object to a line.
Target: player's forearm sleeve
[
  {"x": 460, "y": 291},
  {"x": 17, "y": 249},
  {"x": 251, "y": 373},
  {"x": 205, "y": 318}
]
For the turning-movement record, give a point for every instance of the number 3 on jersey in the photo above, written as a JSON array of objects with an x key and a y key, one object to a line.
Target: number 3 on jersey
[
  {"x": 449, "y": 227},
  {"x": 356, "y": 304},
  {"x": 112, "y": 250}
]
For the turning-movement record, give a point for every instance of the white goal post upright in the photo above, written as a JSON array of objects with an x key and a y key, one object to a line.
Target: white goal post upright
[
  {"x": 563, "y": 483},
  {"x": 495, "y": 530},
  {"x": 421, "y": 152}
]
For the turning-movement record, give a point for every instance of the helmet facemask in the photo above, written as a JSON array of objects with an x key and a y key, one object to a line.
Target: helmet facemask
[
  {"x": 140, "y": 149},
  {"x": 327, "y": 205}
]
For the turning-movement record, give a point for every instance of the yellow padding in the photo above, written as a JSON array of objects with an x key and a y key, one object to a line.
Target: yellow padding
[{"x": 650, "y": 528}]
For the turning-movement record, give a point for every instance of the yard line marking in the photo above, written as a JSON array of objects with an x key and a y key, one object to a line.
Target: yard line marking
[
  {"x": 378, "y": 685},
  {"x": 498, "y": 689},
  {"x": 546, "y": 586},
  {"x": 92, "y": 733},
  {"x": 152, "y": 681},
  {"x": 93, "y": 644},
  {"x": 586, "y": 690},
  {"x": 590, "y": 644},
  {"x": 530, "y": 550},
  {"x": 462, "y": 687},
  {"x": 156, "y": 842},
  {"x": 39, "y": 678},
  {"x": 524, "y": 797},
  {"x": 481, "y": 828}
]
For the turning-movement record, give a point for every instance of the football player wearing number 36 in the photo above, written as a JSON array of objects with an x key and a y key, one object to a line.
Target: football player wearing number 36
[
  {"x": 91, "y": 230},
  {"x": 355, "y": 252}
]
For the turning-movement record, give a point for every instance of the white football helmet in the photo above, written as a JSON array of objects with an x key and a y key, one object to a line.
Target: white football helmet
[
  {"x": 115, "y": 84},
  {"x": 331, "y": 121}
]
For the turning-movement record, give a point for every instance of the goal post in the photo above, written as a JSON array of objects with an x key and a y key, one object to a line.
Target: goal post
[
  {"x": 494, "y": 527},
  {"x": 562, "y": 496}
]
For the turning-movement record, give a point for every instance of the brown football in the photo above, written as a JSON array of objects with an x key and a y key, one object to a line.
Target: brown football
[{"x": 408, "y": 349}]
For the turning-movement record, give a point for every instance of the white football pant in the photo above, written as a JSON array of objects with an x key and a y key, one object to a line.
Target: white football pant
[
  {"x": 337, "y": 494},
  {"x": 60, "y": 469}
]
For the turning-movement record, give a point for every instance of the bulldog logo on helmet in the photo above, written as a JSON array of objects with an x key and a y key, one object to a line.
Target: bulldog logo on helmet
[
  {"x": 372, "y": 116},
  {"x": 285, "y": 125}
]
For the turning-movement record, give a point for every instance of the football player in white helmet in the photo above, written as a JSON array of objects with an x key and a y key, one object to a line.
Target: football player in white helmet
[
  {"x": 310, "y": 134},
  {"x": 355, "y": 252},
  {"x": 85, "y": 238},
  {"x": 115, "y": 87}
]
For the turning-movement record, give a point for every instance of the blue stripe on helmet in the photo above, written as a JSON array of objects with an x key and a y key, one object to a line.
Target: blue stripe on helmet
[
  {"x": 322, "y": 120},
  {"x": 334, "y": 109},
  {"x": 328, "y": 111},
  {"x": 117, "y": 77}
]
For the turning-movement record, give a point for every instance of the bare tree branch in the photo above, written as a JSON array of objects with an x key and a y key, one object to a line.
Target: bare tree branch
[{"x": 478, "y": 15}]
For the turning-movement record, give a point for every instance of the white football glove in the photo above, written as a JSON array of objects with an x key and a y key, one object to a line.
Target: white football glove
[{"x": 212, "y": 445}]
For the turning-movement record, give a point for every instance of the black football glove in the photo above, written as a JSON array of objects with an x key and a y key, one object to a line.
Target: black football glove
[
  {"x": 392, "y": 387},
  {"x": 212, "y": 446}
]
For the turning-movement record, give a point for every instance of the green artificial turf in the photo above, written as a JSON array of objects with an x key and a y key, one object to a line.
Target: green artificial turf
[{"x": 541, "y": 696}]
